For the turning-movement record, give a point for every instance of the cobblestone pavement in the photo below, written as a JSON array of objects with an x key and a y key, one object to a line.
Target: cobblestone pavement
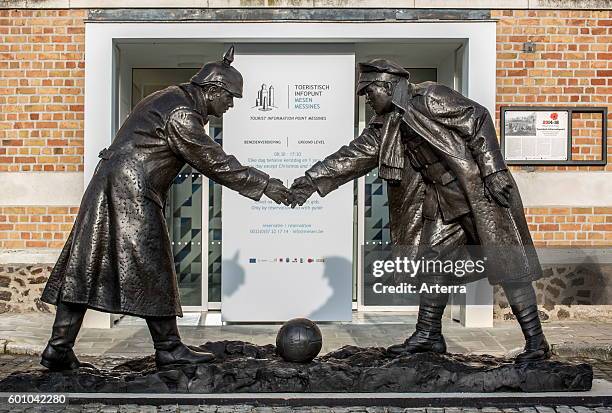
[{"x": 100, "y": 408}]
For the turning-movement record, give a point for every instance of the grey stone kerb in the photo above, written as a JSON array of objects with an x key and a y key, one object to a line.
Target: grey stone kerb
[{"x": 301, "y": 14}]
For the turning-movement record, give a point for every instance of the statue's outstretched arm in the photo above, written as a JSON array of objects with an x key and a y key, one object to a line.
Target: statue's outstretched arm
[
  {"x": 188, "y": 139},
  {"x": 349, "y": 162}
]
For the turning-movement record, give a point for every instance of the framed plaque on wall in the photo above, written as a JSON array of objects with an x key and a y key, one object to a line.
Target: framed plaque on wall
[{"x": 553, "y": 135}]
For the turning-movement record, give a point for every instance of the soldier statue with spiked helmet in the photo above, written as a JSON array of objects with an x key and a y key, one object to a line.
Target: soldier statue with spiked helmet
[{"x": 118, "y": 257}]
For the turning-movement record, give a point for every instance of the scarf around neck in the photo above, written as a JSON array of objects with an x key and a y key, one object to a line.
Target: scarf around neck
[{"x": 391, "y": 155}]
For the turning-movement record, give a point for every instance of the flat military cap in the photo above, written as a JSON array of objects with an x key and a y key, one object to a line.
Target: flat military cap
[
  {"x": 379, "y": 70},
  {"x": 222, "y": 74}
]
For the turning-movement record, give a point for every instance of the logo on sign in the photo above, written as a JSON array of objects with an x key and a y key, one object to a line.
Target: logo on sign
[
  {"x": 265, "y": 98},
  {"x": 554, "y": 119}
]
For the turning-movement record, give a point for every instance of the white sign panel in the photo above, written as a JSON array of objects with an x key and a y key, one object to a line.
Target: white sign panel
[
  {"x": 535, "y": 135},
  {"x": 280, "y": 263}
]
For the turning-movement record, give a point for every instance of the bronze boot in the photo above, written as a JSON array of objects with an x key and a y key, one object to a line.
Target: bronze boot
[
  {"x": 58, "y": 355},
  {"x": 428, "y": 334},
  {"x": 169, "y": 349},
  {"x": 522, "y": 301}
]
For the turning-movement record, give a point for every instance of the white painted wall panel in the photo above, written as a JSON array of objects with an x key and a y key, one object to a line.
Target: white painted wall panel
[{"x": 41, "y": 188}]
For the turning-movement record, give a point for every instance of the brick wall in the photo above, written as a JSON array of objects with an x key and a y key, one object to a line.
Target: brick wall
[
  {"x": 35, "y": 227},
  {"x": 570, "y": 226},
  {"x": 587, "y": 136},
  {"x": 42, "y": 68},
  {"x": 42, "y": 77},
  {"x": 571, "y": 66}
]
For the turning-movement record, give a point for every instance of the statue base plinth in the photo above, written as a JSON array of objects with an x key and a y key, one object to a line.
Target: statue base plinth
[{"x": 246, "y": 368}]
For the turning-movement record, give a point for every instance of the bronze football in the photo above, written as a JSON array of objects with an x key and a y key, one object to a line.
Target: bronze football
[{"x": 299, "y": 340}]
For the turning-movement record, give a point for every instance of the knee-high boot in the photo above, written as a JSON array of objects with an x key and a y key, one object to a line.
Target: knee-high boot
[
  {"x": 58, "y": 355},
  {"x": 428, "y": 334},
  {"x": 169, "y": 349},
  {"x": 522, "y": 299}
]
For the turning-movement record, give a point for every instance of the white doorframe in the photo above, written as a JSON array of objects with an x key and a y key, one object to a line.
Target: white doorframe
[{"x": 101, "y": 76}]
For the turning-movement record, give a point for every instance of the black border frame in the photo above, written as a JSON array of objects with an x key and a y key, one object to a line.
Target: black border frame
[{"x": 570, "y": 109}]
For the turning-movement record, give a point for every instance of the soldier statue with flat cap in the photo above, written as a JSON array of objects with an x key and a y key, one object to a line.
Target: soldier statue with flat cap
[
  {"x": 449, "y": 189},
  {"x": 118, "y": 257}
]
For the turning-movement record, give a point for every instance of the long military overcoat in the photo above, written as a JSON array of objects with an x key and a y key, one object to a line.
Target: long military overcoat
[
  {"x": 462, "y": 133},
  {"x": 118, "y": 257}
]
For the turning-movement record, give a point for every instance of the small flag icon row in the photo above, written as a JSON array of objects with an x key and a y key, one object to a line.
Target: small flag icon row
[{"x": 285, "y": 260}]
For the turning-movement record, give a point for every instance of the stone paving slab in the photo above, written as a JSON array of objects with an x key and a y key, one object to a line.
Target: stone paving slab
[{"x": 28, "y": 333}]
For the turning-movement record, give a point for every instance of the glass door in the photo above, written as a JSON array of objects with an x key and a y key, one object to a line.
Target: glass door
[{"x": 213, "y": 284}]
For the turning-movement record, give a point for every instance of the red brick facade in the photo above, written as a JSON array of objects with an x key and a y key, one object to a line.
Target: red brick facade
[
  {"x": 571, "y": 66},
  {"x": 570, "y": 226},
  {"x": 587, "y": 136},
  {"x": 35, "y": 227},
  {"x": 42, "y": 70}
]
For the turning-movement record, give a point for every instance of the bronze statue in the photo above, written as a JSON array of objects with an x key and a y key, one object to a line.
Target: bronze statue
[
  {"x": 118, "y": 256},
  {"x": 449, "y": 187}
]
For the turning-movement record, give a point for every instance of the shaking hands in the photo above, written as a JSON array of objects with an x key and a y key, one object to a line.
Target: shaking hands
[
  {"x": 298, "y": 194},
  {"x": 301, "y": 190},
  {"x": 277, "y": 192}
]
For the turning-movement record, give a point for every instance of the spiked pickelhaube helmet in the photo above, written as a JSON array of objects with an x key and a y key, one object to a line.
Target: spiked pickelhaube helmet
[{"x": 222, "y": 74}]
